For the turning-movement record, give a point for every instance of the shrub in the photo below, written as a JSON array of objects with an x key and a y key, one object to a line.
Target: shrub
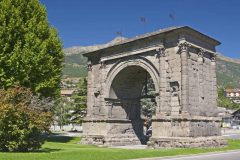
[{"x": 23, "y": 119}]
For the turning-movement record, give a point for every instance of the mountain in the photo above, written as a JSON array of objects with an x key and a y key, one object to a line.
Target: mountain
[
  {"x": 74, "y": 61},
  {"x": 228, "y": 59},
  {"x": 228, "y": 69},
  {"x": 83, "y": 49}
]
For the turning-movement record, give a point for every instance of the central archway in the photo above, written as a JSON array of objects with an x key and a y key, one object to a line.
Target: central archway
[
  {"x": 140, "y": 62},
  {"x": 128, "y": 88}
]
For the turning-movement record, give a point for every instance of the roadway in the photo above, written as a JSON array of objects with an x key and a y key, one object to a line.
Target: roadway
[
  {"x": 232, "y": 136},
  {"x": 230, "y": 155}
]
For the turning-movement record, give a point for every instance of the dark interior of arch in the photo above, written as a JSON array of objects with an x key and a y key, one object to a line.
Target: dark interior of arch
[{"x": 129, "y": 87}]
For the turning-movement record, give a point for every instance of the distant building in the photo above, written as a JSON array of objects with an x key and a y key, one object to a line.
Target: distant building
[
  {"x": 236, "y": 115},
  {"x": 233, "y": 94},
  {"x": 67, "y": 93},
  {"x": 230, "y": 118},
  {"x": 236, "y": 119},
  {"x": 226, "y": 115},
  {"x": 69, "y": 83}
]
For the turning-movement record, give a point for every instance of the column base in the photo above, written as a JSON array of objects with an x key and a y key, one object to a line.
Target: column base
[
  {"x": 186, "y": 126},
  {"x": 113, "y": 132},
  {"x": 185, "y": 131},
  {"x": 110, "y": 140},
  {"x": 187, "y": 142},
  {"x": 97, "y": 140}
]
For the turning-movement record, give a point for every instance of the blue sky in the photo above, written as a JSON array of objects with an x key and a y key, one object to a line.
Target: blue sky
[{"x": 88, "y": 22}]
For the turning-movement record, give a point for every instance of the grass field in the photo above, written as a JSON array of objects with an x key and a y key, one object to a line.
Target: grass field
[{"x": 66, "y": 148}]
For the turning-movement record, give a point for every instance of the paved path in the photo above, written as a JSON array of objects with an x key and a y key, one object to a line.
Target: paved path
[
  {"x": 131, "y": 147},
  {"x": 232, "y": 136},
  {"x": 230, "y": 155}
]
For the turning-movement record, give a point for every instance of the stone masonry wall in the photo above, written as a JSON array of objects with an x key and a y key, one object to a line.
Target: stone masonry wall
[{"x": 201, "y": 86}]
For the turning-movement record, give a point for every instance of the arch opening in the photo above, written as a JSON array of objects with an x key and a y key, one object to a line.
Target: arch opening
[{"x": 133, "y": 93}]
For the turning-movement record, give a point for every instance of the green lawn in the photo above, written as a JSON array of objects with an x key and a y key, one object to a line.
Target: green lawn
[{"x": 66, "y": 148}]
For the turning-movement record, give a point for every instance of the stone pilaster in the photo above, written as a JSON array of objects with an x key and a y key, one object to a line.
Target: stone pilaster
[
  {"x": 101, "y": 77},
  {"x": 183, "y": 48},
  {"x": 162, "y": 82},
  {"x": 90, "y": 85},
  {"x": 214, "y": 82},
  {"x": 200, "y": 77}
]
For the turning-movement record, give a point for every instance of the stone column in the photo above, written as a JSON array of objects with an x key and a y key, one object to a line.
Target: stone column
[
  {"x": 200, "y": 76},
  {"x": 90, "y": 86},
  {"x": 103, "y": 107},
  {"x": 184, "y": 77},
  {"x": 109, "y": 105},
  {"x": 214, "y": 82},
  {"x": 162, "y": 81}
]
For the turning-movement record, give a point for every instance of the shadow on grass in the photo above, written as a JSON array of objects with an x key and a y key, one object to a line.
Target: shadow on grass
[
  {"x": 59, "y": 139},
  {"x": 47, "y": 150},
  {"x": 42, "y": 150}
]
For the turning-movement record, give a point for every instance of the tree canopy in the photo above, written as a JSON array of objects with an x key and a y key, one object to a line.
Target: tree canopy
[
  {"x": 80, "y": 102},
  {"x": 30, "y": 49}
]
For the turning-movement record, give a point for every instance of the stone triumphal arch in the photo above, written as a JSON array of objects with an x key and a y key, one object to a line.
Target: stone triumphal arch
[{"x": 181, "y": 63}]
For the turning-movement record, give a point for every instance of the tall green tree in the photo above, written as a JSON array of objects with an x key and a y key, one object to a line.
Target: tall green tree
[
  {"x": 30, "y": 50},
  {"x": 80, "y": 102},
  {"x": 62, "y": 111},
  {"x": 148, "y": 103}
]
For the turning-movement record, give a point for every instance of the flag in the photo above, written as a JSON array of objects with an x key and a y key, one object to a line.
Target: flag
[
  {"x": 172, "y": 16},
  {"x": 143, "y": 19}
]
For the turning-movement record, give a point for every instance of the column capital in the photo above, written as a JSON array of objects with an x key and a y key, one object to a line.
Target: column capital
[
  {"x": 213, "y": 58},
  {"x": 201, "y": 52},
  {"x": 161, "y": 52},
  {"x": 89, "y": 65},
  {"x": 184, "y": 46},
  {"x": 102, "y": 64}
]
